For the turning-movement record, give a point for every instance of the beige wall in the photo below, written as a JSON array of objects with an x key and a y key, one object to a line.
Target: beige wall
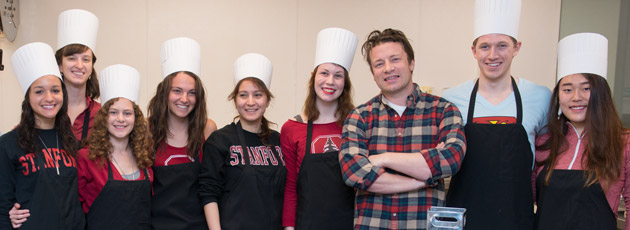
[
  {"x": 601, "y": 17},
  {"x": 131, "y": 32}
]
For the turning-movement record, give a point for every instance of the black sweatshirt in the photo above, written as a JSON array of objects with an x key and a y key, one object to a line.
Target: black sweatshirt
[{"x": 19, "y": 170}]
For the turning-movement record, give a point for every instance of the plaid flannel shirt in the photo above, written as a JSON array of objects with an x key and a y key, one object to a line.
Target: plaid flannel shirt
[{"x": 374, "y": 128}]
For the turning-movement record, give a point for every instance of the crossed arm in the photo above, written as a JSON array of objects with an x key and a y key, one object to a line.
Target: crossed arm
[{"x": 420, "y": 169}]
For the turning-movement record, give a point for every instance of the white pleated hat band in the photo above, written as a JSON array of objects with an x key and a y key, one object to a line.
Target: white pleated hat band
[
  {"x": 180, "y": 54},
  {"x": 77, "y": 27},
  {"x": 119, "y": 81},
  {"x": 253, "y": 65},
  {"x": 335, "y": 45},
  {"x": 32, "y": 61},
  {"x": 582, "y": 53},
  {"x": 497, "y": 17}
]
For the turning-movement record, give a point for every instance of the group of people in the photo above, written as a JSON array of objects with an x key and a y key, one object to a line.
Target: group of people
[{"x": 509, "y": 144}]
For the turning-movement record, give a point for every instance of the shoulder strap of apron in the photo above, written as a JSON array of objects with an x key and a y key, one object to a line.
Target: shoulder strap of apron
[
  {"x": 241, "y": 138},
  {"x": 110, "y": 175},
  {"x": 146, "y": 174},
  {"x": 86, "y": 124},
  {"x": 517, "y": 97},
  {"x": 309, "y": 136}
]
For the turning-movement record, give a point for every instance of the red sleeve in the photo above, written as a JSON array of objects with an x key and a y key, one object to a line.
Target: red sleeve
[
  {"x": 288, "y": 142},
  {"x": 92, "y": 178}
]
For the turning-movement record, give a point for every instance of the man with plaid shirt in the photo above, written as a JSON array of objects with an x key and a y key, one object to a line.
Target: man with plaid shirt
[{"x": 398, "y": 146}]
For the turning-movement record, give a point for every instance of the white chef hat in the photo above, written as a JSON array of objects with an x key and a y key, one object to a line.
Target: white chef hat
[
  {"x": 253, "y": 65},
  {"x": 582, "y": 53},
  {"x": 180, "y": 54},
  {"x": 335, "y": 45},
  {"x": 119, "y": 81},
  {"x": 497, "y": 17},
  {"x": 32, "y": 61},
  {"x": 77, "y": 27}
]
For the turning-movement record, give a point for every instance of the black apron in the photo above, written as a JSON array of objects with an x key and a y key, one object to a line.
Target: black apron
[
  {"x": 566, "y": 204},
  {"x": 176, "y": 203},
  {"x": 55, "y": 203},
  {"x": 86, "y": 125},
  {"x": 324, "y": 200},
  {"x": 494, "y": 181},
  {"x": 121, "y": 204},
  {"x": 254, "y": 200}
]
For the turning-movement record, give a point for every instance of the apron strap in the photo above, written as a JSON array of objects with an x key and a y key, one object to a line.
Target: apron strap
[
  {"x": 517, "y": 98},
  {"x": 241, "y": 138},
  {"x": 86, "y": 124},
  {"x": 309, "y": 136},
  {"x": 110, "y": 175}
]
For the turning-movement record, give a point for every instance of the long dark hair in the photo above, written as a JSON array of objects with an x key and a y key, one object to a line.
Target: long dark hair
[
  {"x": 27, "y": 132},
  {"x": 265, "y": 130},
  {"x": 603, "y": 157},
  {"x": 91, "y": 89},
  {"x": 344, "y": 105},
  {"x": 158, "y": 114}
]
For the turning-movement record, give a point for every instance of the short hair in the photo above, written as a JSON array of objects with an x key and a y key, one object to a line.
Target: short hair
[
  {"x": 377, "y": 37},
  {"x": 511, "y": 38},
  {"x": 91, "y": 89}
]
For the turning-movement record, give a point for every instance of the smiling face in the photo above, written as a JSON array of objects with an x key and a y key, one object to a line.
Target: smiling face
[
  {"x": 391, "y": 70},
  {"x": 329, "y": 82},
  {"x": 573, "y": 97},
  {"x": 251, "y": 103},
  {"x": 494, "y": 54},
  {"x": 182, "y": 95},
  {"x": 77, "y": 68},
  {"x": 120, "y": 119},
  {"x": 46, "y": 99}
]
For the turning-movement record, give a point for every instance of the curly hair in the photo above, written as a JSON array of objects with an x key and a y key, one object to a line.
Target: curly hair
[
  {"x": 140, "y": 139},
  {"x": 91, "y": 89},
  {"x": 344, "y": 105},
  {"x": 27, "y": 131},
  {"x": 158, "y": 115},
  {"x": 603, "y": 157},
  {"x": 265, "y": 130},
  {"x": 377, "y": 37}
]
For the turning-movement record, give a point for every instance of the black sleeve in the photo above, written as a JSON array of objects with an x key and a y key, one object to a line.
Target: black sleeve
[
  {"x": 211, "y": 181},
  {"x": 7, "y": 182}
]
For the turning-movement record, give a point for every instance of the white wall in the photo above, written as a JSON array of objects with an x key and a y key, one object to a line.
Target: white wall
[{"x": 131, "y": 32}]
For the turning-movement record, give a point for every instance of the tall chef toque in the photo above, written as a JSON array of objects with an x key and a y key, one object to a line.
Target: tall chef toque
[
  {"x": 32, "y": 61},
  {"x": 77, "y": 27},
  {"x": 253, "y": 65},
  {"x": 497, "y": 17},
  {"x": 180, "y": 54},
  {"x": 582, "y": 53},
  {"x": 119, "y": 81},
  {"x": 335, "y": 45}
]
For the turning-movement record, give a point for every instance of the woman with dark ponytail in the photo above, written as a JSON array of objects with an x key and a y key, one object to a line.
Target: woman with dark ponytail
[
  {"x": 583, "y": 161},
  {"x": 242, "y": 172}
]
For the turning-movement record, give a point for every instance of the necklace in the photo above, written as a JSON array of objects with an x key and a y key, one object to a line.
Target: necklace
[
  {"x": 56, "y": 137},
  {"x": 118, "y": 166},
  {"x": 122, "y": 173}
]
